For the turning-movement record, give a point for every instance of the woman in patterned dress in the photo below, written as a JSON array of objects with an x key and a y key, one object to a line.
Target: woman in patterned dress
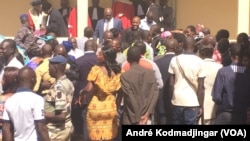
[{"x": 104, "y": 83}]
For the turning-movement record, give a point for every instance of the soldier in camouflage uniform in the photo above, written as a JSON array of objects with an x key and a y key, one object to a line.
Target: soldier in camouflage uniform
[{"x": 58, "y": 101}]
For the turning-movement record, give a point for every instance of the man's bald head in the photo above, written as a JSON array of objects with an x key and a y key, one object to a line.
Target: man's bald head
[
  {"x": 108, "y": 13},
  {"x": 209, "y": 39},
  {"x": 136, "y": 18},
  {"x": 27, "y": 77},
  {"x": 90, "y": 45},
  {"x": 88, "y": 32},
  {"x": 60, "y": 50},
  {"x": 136, "y": 21},
  {"x": 47, "y": 50},
  {"x": 108, "y": 10},
  {"x": 190, "y": 43},
  {"x": 171, "y": 44}
]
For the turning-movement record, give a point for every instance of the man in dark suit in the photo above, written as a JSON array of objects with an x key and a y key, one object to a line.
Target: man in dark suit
[
  {"x": 166, "y": 15},
  {"x": 127, "y": 34},
  {"x": 55, "y": 22},
  {"x": 107, "y": 23},
  {"x": 95, "y": 12},
  {"x": 85, "y": 64},
  {"x": 65, "y": 10},
  {"x": 164, "y": 101},
  {"x": 155, "y": 9},
  {"x": 156, "y": 38},
  {"x": 140, "y": 7},
  {"x": 140, "y": 91}
]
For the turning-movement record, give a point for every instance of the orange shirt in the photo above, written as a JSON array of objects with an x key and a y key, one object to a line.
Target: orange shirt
[{"x": 142, "y": 62}]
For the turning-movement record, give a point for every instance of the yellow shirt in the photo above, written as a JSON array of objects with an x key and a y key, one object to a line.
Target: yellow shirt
[{"x": 42, "y": 74}]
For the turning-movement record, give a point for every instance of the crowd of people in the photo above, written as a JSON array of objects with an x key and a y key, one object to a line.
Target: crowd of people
[{"x": 137, "y": 72}]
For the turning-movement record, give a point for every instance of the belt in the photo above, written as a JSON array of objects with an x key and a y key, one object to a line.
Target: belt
[{"x": 57, "y": 129}]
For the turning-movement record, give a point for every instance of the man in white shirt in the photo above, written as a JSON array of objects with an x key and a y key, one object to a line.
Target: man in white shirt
[
  {"x": 25, "y": 110},
  {"x": 186, "y": 82},
  {"x": 75, "y": 51},
  {"x": 87, "y": 35},
  {"x": 148, "y": 21},
  {"x": 8, "y": 52},
  {"x": 211, "y": 69},
  {"x": 116, "y": 44}
]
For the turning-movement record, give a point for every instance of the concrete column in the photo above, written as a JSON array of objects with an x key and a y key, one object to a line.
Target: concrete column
[
  {"x": 82, "y": 16},
  {"x": 243, "y": 16}
]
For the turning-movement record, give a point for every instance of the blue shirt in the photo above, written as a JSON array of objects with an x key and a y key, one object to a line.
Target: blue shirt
[{"x": 231, "y": 88}]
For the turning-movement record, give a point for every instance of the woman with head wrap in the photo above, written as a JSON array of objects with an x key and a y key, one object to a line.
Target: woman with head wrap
[{"x": 68, "y": 46}]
